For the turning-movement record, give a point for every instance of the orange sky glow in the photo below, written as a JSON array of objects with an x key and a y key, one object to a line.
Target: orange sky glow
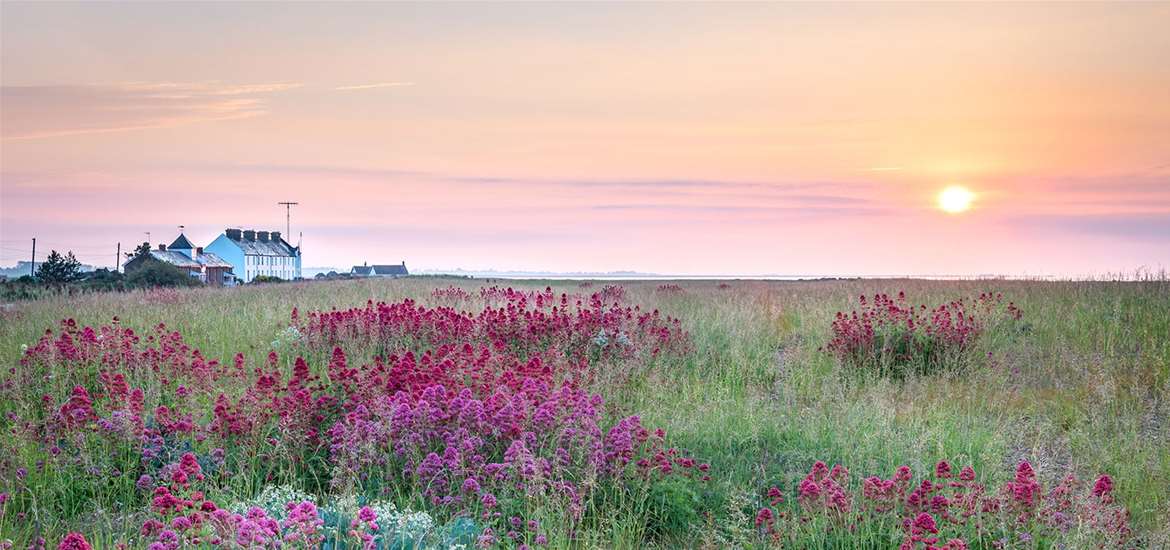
[{"x": 729, "y": 139}]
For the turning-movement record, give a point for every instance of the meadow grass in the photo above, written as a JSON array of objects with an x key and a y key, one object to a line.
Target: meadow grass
[{"x": 1082, "y": 386}]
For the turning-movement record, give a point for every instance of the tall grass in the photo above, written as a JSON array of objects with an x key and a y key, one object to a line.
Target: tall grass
[{"x": 1084, "y": 389}]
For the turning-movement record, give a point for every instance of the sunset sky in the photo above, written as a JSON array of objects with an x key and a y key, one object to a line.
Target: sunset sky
[{"x": 668, "y": 138}]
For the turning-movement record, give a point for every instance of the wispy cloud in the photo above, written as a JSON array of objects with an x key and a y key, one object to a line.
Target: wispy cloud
[
  {"x": 1148, "y": 226},
  {"x": 764, "y": 210},
  {"x": 1123, "y": 184},
  {"x": 659, "y": 184},
  {"x": 38, "y": 112},
  {"x": 803, "y": 191},
  {"x": 375, "y": 85}
]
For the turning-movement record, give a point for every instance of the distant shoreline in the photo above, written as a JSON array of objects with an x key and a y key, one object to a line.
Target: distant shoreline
[{"x": 1137, "y": 275}]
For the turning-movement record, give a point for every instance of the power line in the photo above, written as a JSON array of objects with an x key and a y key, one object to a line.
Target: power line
[{"x": 63, "y": 246}]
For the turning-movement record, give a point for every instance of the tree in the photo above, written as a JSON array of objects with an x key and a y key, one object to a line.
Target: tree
[
  {"x": 102, "y": 279},
  {"x": 154, "y": 273},
  {"x": 58, "y": 269},
  {"x": 143, "y": 248}
]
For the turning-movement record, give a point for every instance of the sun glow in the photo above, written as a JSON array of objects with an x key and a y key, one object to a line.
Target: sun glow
[{"x": 955, "y": 199}]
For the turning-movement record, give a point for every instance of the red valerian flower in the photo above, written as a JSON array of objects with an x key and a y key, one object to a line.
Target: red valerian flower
[
  {"x": 942, "y": 470},
  {"x": 74, "y": 541},
  {"x": 1103, "y": 487},
  {"x": 764, "y": 519},
  {"x": 775, "y": 495}
]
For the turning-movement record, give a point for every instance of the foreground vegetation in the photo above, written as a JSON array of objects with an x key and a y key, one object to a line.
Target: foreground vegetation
[{"x": 757, "y": 388}]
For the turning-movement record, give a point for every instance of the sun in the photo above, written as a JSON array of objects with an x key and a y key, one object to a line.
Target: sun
[{"x": 955, "y": 199}]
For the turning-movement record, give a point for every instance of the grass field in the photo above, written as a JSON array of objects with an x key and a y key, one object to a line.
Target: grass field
[{"x": 1079, "y": 385}]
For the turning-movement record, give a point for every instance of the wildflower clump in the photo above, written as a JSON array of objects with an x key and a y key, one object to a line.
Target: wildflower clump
[
  {"x": 890, "y": 336},
  {"x": 462, "y": 416},
  {"x": 945, "y": 510}
]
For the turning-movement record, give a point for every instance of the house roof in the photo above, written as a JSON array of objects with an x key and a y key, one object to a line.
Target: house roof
[
  {"x": 174, "y": 258},
  {"x": 181, "y": 260},
  {"x": 264, "y": 248},
  {"x": 181, "y": 243},
  {"x": 211, "y": 260},
  {"x": 396, "y": 269}
]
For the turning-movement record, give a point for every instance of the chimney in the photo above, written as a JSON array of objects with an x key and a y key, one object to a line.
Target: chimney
[
  {"x": 262, "y": 236},
  {"x": 199, "y": 251},
  {"x": 276, "y": 237},
  {"x": 233, "y": 234},
  {"x": 249, "y": 234},
  {"x": 162, "y": 246}
]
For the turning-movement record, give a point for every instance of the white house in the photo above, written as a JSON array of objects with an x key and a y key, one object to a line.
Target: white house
[
  {"x": 192, "y": 260},
  {"x": 255, "y": 253},
  {"x": 392, "y": 270}
]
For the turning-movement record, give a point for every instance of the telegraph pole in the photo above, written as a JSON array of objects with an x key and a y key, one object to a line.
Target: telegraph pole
[
  {"x": 32, "y": 270},
  {"x": 288, "y": 216},
  {"x": 118, "y": 259}
]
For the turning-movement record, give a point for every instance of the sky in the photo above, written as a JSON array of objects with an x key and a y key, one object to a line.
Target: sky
[{"x": 734, "y": 139}]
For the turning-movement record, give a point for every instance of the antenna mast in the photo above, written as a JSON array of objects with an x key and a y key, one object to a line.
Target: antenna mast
[{"x": 288, "y": 216}]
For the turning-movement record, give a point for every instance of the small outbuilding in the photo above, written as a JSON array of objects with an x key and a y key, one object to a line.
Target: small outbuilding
[{"x": 392, "y": 271}]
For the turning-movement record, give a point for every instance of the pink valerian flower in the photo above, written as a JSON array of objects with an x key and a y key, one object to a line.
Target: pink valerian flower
[
  {"x": 78, "y": 410},
  {"x": 74, "y": 541},
  {"x": 302, "y": 525},
  {"x": 1103, "y": 487},
  {"x": 808, "y": 491},
  {"x": 924, "y": 523},
  {"x": 1024, "y": 490},
  {"x": 967, "y": 474},
  {"x": 942, "y": 470},
  {"x": 765, "y": 520},
  {"x": 775, "y": 495}
]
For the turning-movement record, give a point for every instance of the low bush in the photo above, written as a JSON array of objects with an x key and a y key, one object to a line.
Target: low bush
[{"x": 159, "y": 274}]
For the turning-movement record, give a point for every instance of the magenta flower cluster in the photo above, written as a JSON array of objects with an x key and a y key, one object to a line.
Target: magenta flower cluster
[
  {"x": 889, "y": 335},
  {"x": 948, "y": 510},
  {"x": 474, "y": 411}
]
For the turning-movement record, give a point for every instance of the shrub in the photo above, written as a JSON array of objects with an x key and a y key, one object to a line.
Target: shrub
[
  {"x": 889, "y": 336},
  {"x": 155, "y": 273}
]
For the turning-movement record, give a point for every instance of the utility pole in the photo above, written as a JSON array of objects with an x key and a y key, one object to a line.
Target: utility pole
[
  {"x": 288, "y": 216},
  {"x": 118, "y": 259},
  {"x": 32, "y": 270}
]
